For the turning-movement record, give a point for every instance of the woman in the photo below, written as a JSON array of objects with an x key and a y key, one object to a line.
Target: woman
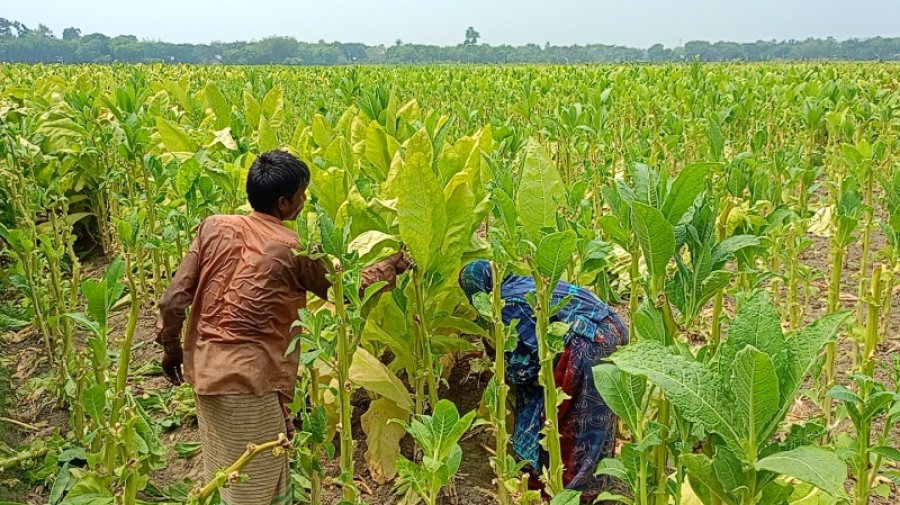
[{"x": 587, "y": 426}]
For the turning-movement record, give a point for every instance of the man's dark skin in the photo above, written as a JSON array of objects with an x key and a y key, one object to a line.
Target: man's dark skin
[{"x": 287, "y": 209}]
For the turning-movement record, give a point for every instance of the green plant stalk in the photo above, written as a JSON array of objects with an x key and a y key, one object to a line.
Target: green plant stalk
[
  {"x": 872, "y": 320},
  {"x": 642, "y": 479},
  {"x": 150, "y": 198},
  {"x": 420, "y": 320},
  {"x": 315, "y": 478},
  {"x": 834, "y": 296},
  {"x": 548, "y": 382},
  {"x": 887, "y": 295},
  {"x": 30, "y": 266},
  {"x": 862, "y": 489},
  {"x": 879, "y": 459},
  {"x": 793, "y": 283},
  {"x": 716, "y": 336},
  {"x": 132, "y": 472},
  {"x": 501, "y": 435},
  {"x": 122, "y": 371},
  {"x": 661, "y": 453},
  {"x": 345, "y": 355},
  {"x": 866, "y": 243},
  {"x": 18, "y": 458},
  {"x": 634, "y": 273}
]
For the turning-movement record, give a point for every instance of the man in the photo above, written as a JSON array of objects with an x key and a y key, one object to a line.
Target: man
[
  {"x": 587, "y": 426},
  {"x": 245, "y": 283}
]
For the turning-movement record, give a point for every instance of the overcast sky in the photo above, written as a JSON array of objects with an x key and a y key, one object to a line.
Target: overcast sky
[{"x": 639, "y": 23}]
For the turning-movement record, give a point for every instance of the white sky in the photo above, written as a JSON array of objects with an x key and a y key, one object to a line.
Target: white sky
[{"x": 638, "y": 23}]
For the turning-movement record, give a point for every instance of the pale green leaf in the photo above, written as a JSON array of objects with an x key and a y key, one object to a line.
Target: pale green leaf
[
  {"x": 174, "y": 138},
  {"x": 813, "y": 465},
  {"x": 755, "y": 386},
  {"x": 421, "y": 213},
  {"x": 540, "y": 192},
  {"x": 554, "y": 254},
  {"x": 692, "y": 388},
  {"x": 367, "y": 372},
  {"x": 656, "y": 237}
]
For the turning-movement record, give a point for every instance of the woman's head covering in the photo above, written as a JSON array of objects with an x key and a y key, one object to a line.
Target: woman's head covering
[{"x": 476, "y": 277}]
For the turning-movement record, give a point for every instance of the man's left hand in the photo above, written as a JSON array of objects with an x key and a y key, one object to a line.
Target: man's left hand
[{"x": 173, "y": 359}]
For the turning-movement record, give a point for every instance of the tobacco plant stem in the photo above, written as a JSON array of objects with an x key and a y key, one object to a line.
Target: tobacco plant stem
[
  {"x": 866, "y": 244},
  {"x": 548, "y": 381},
  {"x": 834, "y": 296},
  {"x": 425, "y": 335},
  {"x": 499, "y": 334},
  {"x": 633, "y": 296},
  {"x": 868, "y": 358},
  {"x": 124, "y": 363},
  {"x": 345, "y": 355}
]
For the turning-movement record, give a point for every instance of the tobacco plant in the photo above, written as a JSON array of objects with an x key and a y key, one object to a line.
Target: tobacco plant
[{"x": 740, "y": 398}]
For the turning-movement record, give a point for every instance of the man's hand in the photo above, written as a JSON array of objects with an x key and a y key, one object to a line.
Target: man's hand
[
  {"x": 401, "y": 262},
  {"x": 173, "y": 358}
]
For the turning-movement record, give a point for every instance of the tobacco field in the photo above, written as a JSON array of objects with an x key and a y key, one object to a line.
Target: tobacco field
[{"x": 744, "y": 220}]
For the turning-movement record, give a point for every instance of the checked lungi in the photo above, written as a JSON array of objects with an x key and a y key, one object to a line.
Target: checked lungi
[{"x": 227, "y": 424}]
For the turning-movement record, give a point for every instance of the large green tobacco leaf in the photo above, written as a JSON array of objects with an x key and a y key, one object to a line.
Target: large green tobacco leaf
[
  {"x": 755, "y": 388},
  {"x": 724, "y": 250},
  {"x": 368, "y": 372},
  {"x": 379, "y": 149},
  {"x": 421, "y": 213},
  {"x": 685, "y": 189},
  {"x": 803, "y": 349},
  {"x": 540, "y": 193},
  {"x": 697, "y": 392},
  {"x": 330, "y": 189},
  {"x": 756, "y": 324},
  {"x": 622, "y": 392},
  {"x": 554, "y": 253},
  {"x": 187, "y": 174},
  {"x": 656, "y": 237},
  {"x": 819, "y": 467},
  {"x": 219, "y": 105},
  {"x": 174, "y": 138},
  {"x": 268, "y": 139}
]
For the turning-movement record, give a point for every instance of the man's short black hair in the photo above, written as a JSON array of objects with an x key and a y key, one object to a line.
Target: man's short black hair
[{"x": 273, "y": 175}]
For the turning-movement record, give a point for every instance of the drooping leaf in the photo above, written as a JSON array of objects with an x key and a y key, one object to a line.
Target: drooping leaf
[
  {"x": 623, "y": 393},
  {"x": 694, "y": 390},
  {"x": 803, "y": 349},
  {"x": 817, "y": 466},
  {"x": 367, "y": 372},
  {"x": 383, "y": 438}
]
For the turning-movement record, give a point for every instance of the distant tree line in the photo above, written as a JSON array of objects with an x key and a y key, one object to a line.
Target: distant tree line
[{"x": 18, "y": 43}]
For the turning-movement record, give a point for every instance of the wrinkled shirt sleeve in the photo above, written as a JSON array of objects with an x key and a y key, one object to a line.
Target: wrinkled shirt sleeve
[{"x": 180, "y": 294}]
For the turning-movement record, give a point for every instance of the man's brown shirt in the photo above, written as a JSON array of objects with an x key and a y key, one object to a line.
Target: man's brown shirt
[{"x": 244, "y": 283}]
